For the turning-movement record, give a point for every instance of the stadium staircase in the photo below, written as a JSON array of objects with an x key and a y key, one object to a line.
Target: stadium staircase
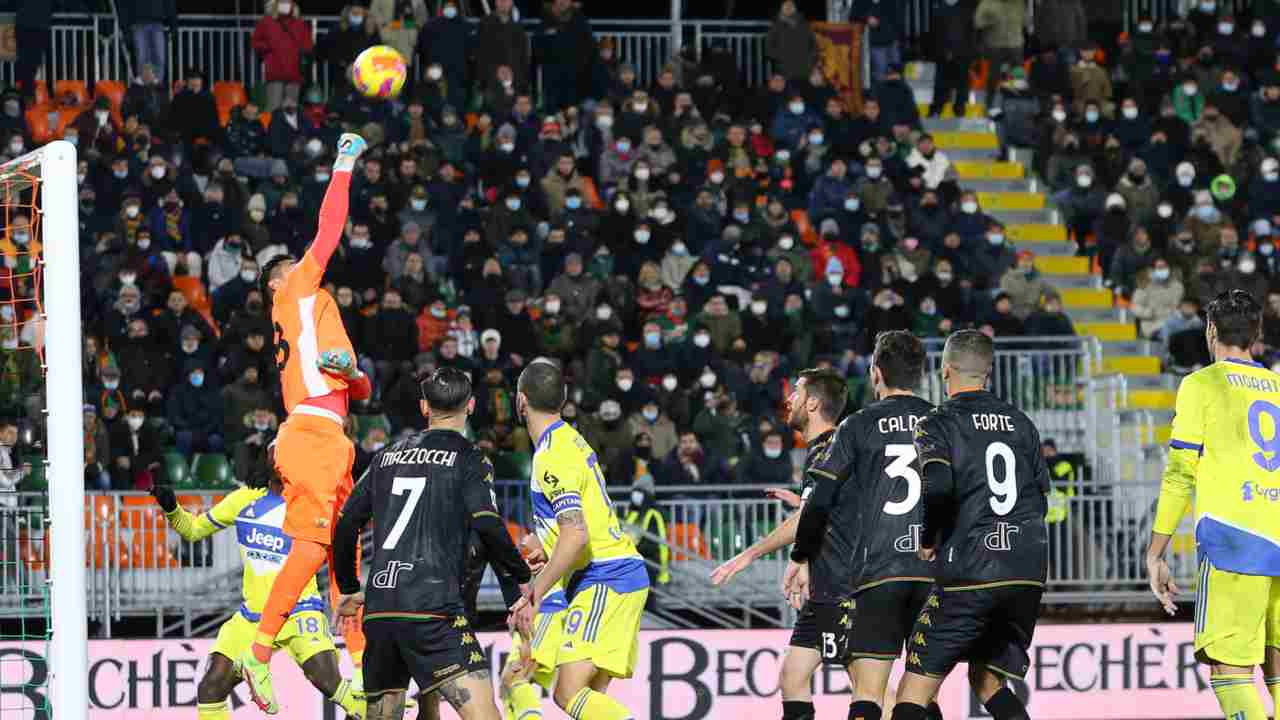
[{"x": 1141, "y": 396}]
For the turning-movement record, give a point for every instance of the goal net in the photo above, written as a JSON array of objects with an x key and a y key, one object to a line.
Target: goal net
[{"x": 43, "y": 620}]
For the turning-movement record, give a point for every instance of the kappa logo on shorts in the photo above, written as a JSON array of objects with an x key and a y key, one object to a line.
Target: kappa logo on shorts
[
  {"x": 924, "y": 620},
  {"x": 449, "y": 670},
  {"x": 468, "y": 639},
  {"x": 913, "y": 659},
  {"x": 919, "y": 639},
  {"x": 932, "y": 602},
  {"x": 459, "y": 622},
  {"x": 476, "y": 658}
]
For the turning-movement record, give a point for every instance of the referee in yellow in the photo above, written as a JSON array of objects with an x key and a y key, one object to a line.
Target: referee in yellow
[{"x": 1225, "y": 450}]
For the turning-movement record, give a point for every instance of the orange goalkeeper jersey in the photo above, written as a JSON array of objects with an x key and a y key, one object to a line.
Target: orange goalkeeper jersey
[{"x": 307, "y": 321}]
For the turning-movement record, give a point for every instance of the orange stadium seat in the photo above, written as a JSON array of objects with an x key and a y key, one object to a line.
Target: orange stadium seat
[
  {"x": 75, "y": 87},
  {"x": 689, "y": 537},
  {"x": 112, "y": 90},
  {"x": 808, "y": 235},
  {"x": 229, "y": 94},
  {"x": 265, "y": 119},
  {"x": 38, "y": 121}
]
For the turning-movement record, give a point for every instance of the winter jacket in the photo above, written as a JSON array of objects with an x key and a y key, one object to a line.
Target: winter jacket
[
  {"x": 1061, "y": 23},
  {"x": 500, "y": 41},
  {"x": 953, "y": 33},
  {"x": 1141, "y": 199},
  {"x": 198, "y": 409},
  {"x": 1154, "y": 302},
  {"x": 1025, "y": 291},
  {"x": 999, "y": 23},
  {"x": 282, "y": 42},
  {"x": 792, "y": 46}
]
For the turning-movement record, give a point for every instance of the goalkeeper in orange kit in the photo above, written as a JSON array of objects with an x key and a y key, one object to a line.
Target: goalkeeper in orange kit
[{"x": 319, "y": 378}]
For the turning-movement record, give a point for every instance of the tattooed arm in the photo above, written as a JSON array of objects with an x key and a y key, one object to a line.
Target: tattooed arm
[{"x": 569, "y": 546}]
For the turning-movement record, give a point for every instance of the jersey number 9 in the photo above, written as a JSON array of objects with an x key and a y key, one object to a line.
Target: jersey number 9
[{"x": 1265, "y": 445}]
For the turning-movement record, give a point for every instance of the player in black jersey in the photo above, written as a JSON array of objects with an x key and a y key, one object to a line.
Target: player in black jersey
[
  {"x": 860, "y": 528},
  {"x": 821, "y": 628},
  {"x": 425, "y": 496},
  {"x": 985, "y": 488}
]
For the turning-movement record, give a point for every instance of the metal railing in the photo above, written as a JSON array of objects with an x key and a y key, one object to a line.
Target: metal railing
[{"x": 88, "y": 48}]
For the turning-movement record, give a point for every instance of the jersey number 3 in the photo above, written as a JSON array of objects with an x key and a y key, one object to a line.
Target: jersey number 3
[
  {"x": 414, "y": 486},
  {"x": 903, "y": 466}
]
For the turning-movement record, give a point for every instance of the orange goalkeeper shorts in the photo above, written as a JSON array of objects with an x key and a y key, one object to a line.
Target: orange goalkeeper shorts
[{"x": 314, "y": 458}]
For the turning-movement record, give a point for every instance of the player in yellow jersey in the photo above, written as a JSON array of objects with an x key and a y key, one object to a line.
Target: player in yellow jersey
[
  {"x": 534, "y": 662},
  {"x": 257, "y": 514},
  {"x": 604, "y": 576},
  {"x": 1225, "y": 450}
]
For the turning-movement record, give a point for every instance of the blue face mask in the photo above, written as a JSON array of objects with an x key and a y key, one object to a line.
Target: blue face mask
[
  {"x": 573, "y": 202},
  {"x": 522, "y": 182},
  {"x": 1207, "y": 213},
  {"x": 702, "y": 279},
  {"x": 197, "y": 379},
  {"x": 652, "y": 340}
]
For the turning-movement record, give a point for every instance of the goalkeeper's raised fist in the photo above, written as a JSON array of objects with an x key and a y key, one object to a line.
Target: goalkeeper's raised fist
[{"x": 164, "y": 497}]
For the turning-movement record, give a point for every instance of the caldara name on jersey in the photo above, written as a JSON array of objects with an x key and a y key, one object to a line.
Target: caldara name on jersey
[{"x": 419, "y": 456}]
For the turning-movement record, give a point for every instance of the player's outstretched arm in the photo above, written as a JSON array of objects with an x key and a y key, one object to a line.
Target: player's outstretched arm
[
  {"x": 780, "y": 537},
  {"x": 193, "y": 528},
  {"x": 570, "y": 544},
  {"x": 337, "y": 198}
]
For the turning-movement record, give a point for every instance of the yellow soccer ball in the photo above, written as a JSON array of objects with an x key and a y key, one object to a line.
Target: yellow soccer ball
[{"x": 379, "y": 72}]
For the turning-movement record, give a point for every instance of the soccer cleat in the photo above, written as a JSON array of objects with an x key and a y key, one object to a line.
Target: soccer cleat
[{"x": 257, "y": 675}]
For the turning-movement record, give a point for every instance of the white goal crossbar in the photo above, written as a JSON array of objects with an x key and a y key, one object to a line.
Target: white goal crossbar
[{"x": 55, "y": 164}]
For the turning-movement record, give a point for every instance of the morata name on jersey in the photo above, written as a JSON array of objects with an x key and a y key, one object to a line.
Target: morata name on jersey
[
  {"x": 1253, "y": 383},
  {"x": 420, "y": 456}
]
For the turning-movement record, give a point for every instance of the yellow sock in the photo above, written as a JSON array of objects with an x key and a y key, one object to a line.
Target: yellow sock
[
  {"x": 524, "y": 702},
  {"x": 1273, "y": 684},
  {"x": 350, "y": 702},
  {"x": 213, "y": 711},
  {"x": 591, "y": 705},
  {"x": 1237, "y": 696}
]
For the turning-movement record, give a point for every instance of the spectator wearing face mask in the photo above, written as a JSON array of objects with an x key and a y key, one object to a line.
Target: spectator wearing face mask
[
  {"x": 1130, "y": 127},
  {"x": 608, "y": 432},
  {"x": 993, "y": 258},
  {"x": 651, "y": 421},
  {"x": 1065, "y": 161},
  {"x": 447, "y": 39},
  {"x": 1188, "y": 102},
  {"x": 577, "y": 290},
  {"x": 1264, "y": 191},
  {"x": 240, "y": 398},
  {"x": 1024, "y": 285},
  {"x": 1090, "y": 82},
  {"x": 1130, "y": 261},
  {"x": 135, "y": 452},
  {"x": 194, "y": 410},
  {"x": 1157, "y": 298},
  {"x": 1140, "y": 194},
  {"x": 339, "y": 47},
  {"x": 281, "y": 38},
  {"x": 1244, "y": 276},
  {"x": 1207, "y": 223},
  {"x": 1224, "y": 138},
  {"x": 193, "y": 114},
  {"x": 1082, "y": 204}
]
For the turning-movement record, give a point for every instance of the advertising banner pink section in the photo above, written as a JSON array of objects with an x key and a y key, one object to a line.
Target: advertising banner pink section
[{"x": 1078, "y": 672}]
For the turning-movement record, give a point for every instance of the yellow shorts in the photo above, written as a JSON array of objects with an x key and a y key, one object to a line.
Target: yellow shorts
[
  {"x": 1237, "y": 616},
  {"x": 548, "y": 629},
  {"x": 304, "y": 635},
  {"x": 603, "y": 626}
]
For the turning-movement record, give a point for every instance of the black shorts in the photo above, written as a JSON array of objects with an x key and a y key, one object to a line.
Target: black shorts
[
  {"x": 883, "y": 616},
  {"x": 990, "y": 628},
  {"x": 432, "y": 652},
  {"x": 825, "y": 627}
]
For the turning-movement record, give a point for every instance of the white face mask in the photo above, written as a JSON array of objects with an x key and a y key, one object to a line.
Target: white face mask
[
  {"x": 1259, "y": 30},
  {"x": 284, "y": 8},
  {"x": 450, "y": 12},
  {"x": 669, "y": 383},
  {"x": 1189, "y": 89},
  {"x": 15, "y": 147},
  {"x": 157, "y": 171},
  {"x": 834, "y": 279},
  {"x": 642, "y": 237},
  {"x": 637, "y": 497},
  {"x": 513, "y": 204},
  {"x": 679, "y": 249},
  {"x": 707, "y": 380},
  {"x": 1060, "y": 115},
  {"x": 144, "y": 244},
  {"x": 702, "y": 340},
  {"x": 1165, "y": 211},
  {"x": 796, "y": 108},
  {"x": 1130, "y": 112},
  {"x": 604, "y": 312},
  {"x": 640, "y": 106},
  {"x": 135, "y": 422},
  {"x": 1185, "y": 180},
  {"x": 604, "y": 122},
  {"x": 758, "y": 307},
  {"x": 1160, "y": 274},
  {"x": 434, "y": 73},
  {"x": 622, "y": 206},
  {"x": 969, "y": 207},
  {"x": 507, "y": 147},
  {"x": 642, "y": 174},
  {"x": 773, "y": 453},
  {"x": 131, "y": 211},
  {"x": 786, "y": 242},
  {"x": 102, "y": 116},
  {"x": 717, "y": 177},
  {"x": 1084, "y": 181},
  {"x": 248, "y": 275},
  {"x": 552, "y": 307},
  {"x": 873, "y": 172},
  {"x": 625, "y": 384}
]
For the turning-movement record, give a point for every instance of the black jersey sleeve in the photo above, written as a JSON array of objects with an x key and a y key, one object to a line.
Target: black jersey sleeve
[
  {"x": 482, "y": 512},
  {"x": 346, "y": 535},
  {"x": 826, "y": 475},
  {"x": 933, "y": 447},
  {"x": 1043, "y": 478}
]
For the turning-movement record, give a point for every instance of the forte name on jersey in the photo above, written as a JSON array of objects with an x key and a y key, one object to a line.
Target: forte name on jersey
[{"x": 992, "y": 422}]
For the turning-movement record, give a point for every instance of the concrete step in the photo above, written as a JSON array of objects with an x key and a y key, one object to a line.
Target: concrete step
[
  {"x": 1131, "y": 365},
  {"x": 1050, "y": 264},
  {"x": 919, "y": 72},
  {"x": 987, "y": 169},
  {"x": 1151, "y": 381},
  {"x": 1108, "y": 331},
  {"x": 1130, "y": 347},
  {"x": 1080, "y": 316},
  {"x": 1075, "y": 282},
  {"x": 1015, "y": 201},
  {"x": 1003, "y": 186},
  {"x": 953, "y": 124},
  {"x": 1152, "y": 399},
  {"x": 1087, "y": 299},
  {"x": 978, "y": 155},
  {"x": 1024, "y": 217},
  {"x": 1049, "y": 249},
  {"x": 962, "y": 140},
  {"x": 1037, "y": 233},
  {"x": 972, "y": 110}
]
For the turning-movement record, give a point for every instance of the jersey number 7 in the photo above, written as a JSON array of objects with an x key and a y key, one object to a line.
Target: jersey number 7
[{"x": 414, "y": 486}]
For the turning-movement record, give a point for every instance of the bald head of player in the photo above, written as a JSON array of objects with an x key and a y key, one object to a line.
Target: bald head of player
[
  {"x": 897, "y": 363},
  {"x": 540, "y": 393},
  {"x": 1234, "y": 324},
  {"x": 446, "y": 399},
  {"x": 966, "y": 361}
]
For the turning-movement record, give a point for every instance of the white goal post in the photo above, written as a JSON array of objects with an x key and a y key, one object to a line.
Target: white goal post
[{"x": 55, "y": 166}]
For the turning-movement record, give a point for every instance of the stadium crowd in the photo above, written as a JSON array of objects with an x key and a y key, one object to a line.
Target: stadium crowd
[{"x": 682, "y": 247}]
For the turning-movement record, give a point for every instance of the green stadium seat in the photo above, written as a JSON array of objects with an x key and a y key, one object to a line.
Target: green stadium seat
[
  {"x": 365, "y": 423},
  {"x": 176, "y": 470},
  {"x": 212, "y": 471},
  {"x": 512, "y": 465}
]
